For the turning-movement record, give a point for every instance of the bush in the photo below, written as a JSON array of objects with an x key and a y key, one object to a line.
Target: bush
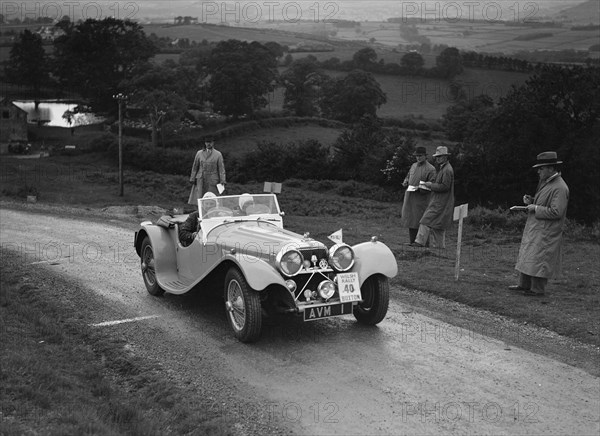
[{"x": 497, "y": 219}]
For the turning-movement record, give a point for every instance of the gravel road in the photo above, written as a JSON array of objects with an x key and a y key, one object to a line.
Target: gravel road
[{"x": 413, "y": 374}]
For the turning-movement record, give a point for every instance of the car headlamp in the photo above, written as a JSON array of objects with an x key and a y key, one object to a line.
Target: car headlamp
[
  {"x": 341, "y": 257},
  {"x": 326, "y": 289},
  {"x": 290, "y": 262}
]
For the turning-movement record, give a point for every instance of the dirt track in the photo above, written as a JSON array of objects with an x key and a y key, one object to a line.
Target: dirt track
[{"x": 411, "y": 375}]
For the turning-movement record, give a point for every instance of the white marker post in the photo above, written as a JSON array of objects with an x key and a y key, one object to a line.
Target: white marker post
[{"x": 460, "y": 212}]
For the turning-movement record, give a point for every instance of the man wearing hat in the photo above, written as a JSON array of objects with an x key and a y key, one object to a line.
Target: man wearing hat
[
  {"x": 438, "y": 215},
  {"x": 540, "y": 253},
  {"x": 416, "y": 199},
  {"x": 207, "y": 171}
]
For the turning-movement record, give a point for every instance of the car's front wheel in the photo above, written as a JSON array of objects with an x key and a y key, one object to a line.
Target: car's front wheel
[
  {"x": 148, "y": 269},
  {"x": 243, "y": 307},
  {"x": 376, "y": 299}
]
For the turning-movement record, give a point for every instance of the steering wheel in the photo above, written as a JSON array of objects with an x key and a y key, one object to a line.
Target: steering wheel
[{"x": 219, "y": 212}]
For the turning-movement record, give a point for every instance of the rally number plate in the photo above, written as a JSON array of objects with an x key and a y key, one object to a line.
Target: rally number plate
[
  {"x": 319, "y": 312},
  {"x": 349, "y": 287}
]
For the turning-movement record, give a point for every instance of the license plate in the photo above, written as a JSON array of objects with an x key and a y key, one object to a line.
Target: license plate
[
  {"x": 349, "y": 287},
  {"x": 319, "y": 312}
]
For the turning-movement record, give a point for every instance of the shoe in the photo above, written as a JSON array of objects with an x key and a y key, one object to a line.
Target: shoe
[
  {"x": 533, "y": 294},
  {"x": 416, "y": 244},
  {"x": 517, "y": 288}
]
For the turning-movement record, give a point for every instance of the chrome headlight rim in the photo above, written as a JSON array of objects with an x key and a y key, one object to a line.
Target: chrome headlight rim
[
  {"x": 281, "y": 257},
  {"x": 331, "y": 257},
  {"x": 326, "y": 289}
]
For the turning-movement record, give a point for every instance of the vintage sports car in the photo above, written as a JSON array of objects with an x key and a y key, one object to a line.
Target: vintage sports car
[{"x": 265, "y": 269}]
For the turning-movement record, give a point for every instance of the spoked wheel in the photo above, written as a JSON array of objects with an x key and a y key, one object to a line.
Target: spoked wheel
[
  {"x": 243, "y": 307},
  {"x": 376, "y": 299},
  {"x": 148, "y": 269}
]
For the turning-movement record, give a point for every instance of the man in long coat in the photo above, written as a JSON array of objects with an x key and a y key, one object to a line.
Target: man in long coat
[
  {"x": 208, "y": 170},
  {"x": 416, "y": 199},
  {"x": 438, "y": 215},
  {"x": 540, "y": 253}
]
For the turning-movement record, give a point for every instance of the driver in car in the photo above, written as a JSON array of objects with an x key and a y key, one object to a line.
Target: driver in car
[{"x": 189, "y": 229}]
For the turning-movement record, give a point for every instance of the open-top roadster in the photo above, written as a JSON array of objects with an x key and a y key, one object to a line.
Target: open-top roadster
[{"x": 264, "y": 268}]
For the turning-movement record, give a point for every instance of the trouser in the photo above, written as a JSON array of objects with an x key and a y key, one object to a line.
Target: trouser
[
  {"x": 412, "y": 234},
  {"x": 436, "y": 237},
  {"x": 534, "y": 284}
]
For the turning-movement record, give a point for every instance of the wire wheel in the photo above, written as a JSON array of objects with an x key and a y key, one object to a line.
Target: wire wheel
[
  {"x": 148, "y": 268},
  {"x": 242, "y": 304}
]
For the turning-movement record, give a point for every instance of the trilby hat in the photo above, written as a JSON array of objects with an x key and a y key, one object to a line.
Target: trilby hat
[
  {"x": 547, "y": 158},
  {"x": 441, "y": 151},
  {"x": 420, "y": 151}
]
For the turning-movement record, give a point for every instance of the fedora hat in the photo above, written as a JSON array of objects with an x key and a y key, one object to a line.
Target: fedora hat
[
  {"x": 547, "y": 158},
  {"x": 420, "y": 151},
  {"x": 441, "y": 151}
]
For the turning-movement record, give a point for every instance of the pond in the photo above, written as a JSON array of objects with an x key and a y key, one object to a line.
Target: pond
[{"x": 50, "y": 113}]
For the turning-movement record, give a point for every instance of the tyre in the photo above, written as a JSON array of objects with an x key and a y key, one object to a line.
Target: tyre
[
  {"x": 148, "y": 269},
  {"x": 242, "y": 304},
  {"x": 376, "y": 299}
]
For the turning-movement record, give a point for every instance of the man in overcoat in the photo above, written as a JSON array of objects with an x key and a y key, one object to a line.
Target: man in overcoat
[
  {"x": 438, "y": 215},
  {"x": 416, "y": 199},
  {"x": 208, "y": 170},
  {"x": 541, "y": 245}
]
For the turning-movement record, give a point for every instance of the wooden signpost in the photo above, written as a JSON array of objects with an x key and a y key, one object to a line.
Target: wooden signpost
[
  {"x": 272, "y": 187},
  {"x": 460, "y": 212}
]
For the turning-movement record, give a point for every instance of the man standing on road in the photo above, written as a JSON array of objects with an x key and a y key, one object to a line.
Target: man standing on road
[
  {"x": 540, "y": 253},
  {"x": 438, "y": 215},
  {"x": 208, "y": 170},
  {"x": 416, "y": 199}
]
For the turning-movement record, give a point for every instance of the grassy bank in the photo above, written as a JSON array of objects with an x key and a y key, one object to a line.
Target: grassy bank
[
  {"x": 59, "y": 376},
  {"x": 489, "y": 251}
]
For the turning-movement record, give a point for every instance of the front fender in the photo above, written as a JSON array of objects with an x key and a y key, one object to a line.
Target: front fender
[
  {"x": 373, "y": 257},
  {"x": 259, "y": 274},
  {"x": 165, "y": 258}
]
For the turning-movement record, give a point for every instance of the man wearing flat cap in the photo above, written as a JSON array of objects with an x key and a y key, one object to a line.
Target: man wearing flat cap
[
  {"x": 416, "y": 199},
  {"x": 540, "y": 253},
  {"x": 208, "y": 170},
  {"x": 438, "y": 215}
]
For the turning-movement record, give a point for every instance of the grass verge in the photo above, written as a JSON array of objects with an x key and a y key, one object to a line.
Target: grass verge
[{"x": 59, "y": 376}]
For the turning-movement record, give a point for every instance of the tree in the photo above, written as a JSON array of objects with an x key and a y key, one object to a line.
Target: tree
[
  {"x": 160, "y": 106},
  {"x": 557, "y": 109},
  {"x": 412, "y": 61},
  {"x": 364, "y": 58},
  {"x": 352, "y": 97},
  {"x": 241, "y": 74},
  {"x": 95, "y": 56},
  {"x": 464, "y": 118},
  {"x": 364, "y": 151},
  {"x": 28, "y": 64},
  {"x": 449, "y": 62},
  {"x": 302, "y": 82}
]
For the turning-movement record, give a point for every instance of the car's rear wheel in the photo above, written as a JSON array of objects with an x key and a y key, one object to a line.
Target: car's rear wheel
[
  {"x": 376, "y": 299},
  {"x": 148, "y": 268},
  {"x": 243, "y": 307}
]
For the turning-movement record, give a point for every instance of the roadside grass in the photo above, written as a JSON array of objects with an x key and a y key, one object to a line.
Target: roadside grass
[
  {"x": 60, "y": 377},
  {"x": 490, "y": 238}
]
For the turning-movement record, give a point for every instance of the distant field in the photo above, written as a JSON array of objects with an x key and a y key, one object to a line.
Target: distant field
[
  {"x": 220, "y": 33},
  {"x": 478, "y": 36},
  {"x": 430, "y": 98},
  {"x": 240, "y": 145}
]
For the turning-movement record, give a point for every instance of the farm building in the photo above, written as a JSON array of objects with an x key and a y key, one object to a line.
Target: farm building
[{"x": 13, "y": 125}]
